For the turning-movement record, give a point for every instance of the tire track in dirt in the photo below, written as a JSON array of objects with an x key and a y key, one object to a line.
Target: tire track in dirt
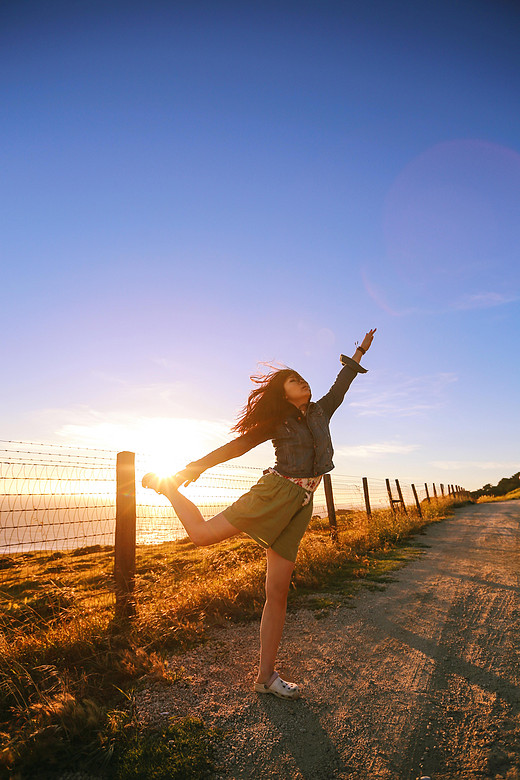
[
  {"x": 422, "y": 677},
  {"x": 475, "y": 688}
]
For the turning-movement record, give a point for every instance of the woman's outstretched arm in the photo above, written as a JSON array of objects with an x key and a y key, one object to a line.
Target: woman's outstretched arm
[{"x": 232, "y": 449}]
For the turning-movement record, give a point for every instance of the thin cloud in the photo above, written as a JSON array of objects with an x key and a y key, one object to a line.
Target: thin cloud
[
  {"x": 375, "y": 449},
  {"x": 185, "y": 438},
  {"x": 407, "y": 397},
  {"x": 483, "y": 300},
  {"x": 485, "y": 465}
]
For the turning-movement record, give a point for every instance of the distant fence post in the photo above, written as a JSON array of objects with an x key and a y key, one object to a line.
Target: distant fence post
[
  {"x": 331, "y": 510},
  {"x": 367, "y": 498},
  {"x": 398, "y": 486},
  {"x": 434, "y": 491},
  {"x": 124, "y": 564},
  {"x": 427, "y": 494},
  {"x": 416, "y": 500},
  {"x": 442, "y": 489}
]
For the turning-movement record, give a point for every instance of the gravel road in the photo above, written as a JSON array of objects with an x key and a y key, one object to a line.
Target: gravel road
[{"x": 419, "y": 679}]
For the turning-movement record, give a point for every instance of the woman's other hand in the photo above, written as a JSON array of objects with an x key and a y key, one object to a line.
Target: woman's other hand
[{"x": 187, "y": 475}]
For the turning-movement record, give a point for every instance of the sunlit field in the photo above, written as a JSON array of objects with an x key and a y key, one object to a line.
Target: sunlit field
[{"x": 67, "y": 668}]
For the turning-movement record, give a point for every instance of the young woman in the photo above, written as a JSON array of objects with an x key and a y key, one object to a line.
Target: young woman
[{"x": 277, "y": 510}]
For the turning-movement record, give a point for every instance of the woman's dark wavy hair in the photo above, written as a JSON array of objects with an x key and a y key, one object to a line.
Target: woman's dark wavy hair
[{"x": 266, "y": 405}]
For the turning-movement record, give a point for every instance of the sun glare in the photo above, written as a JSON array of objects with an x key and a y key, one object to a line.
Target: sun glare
[
  {"x": 162, "y": 444},
  {"x": 167, "y": 446}
]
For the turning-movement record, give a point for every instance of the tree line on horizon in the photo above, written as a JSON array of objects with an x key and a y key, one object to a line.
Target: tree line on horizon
[{"x": 505, "y": 485}]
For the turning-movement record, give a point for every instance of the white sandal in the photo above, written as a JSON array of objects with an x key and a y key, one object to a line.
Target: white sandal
[{"x": 278, "y": 687}]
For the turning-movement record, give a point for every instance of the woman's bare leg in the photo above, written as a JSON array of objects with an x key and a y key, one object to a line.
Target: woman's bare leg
[
  {"x": 278, "y": 579},
  {"x": 201, "y": 532}
]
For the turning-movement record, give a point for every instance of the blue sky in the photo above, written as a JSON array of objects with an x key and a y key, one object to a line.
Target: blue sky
[{"x": 190, "y": 188}]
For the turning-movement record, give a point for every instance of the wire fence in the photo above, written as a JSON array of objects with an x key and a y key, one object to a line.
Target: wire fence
[
  {"x": 55, "y": 497},
  {"x": 64, "y": 498}
]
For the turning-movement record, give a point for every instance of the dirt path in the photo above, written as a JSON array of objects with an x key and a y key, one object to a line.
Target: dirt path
[{"x": 422, "y": 678}]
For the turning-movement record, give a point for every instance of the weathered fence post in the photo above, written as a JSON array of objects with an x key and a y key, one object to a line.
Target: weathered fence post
[
  {"x": 442, "y": 489},
  {"x": 427, "y": 494},
  {"x": 389, "y": 489},
  {"x": 367, "y": 498},
  {"x": 398, "y": 486},
  {"x": 331, "y": 510},
  {"x": 124, "y": 568},
  {"x": 434, "y": 491},
  {"x": 416, "y": 500}
]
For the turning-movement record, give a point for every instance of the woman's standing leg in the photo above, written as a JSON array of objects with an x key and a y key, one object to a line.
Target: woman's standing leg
[{"x": 278, "y": 579}]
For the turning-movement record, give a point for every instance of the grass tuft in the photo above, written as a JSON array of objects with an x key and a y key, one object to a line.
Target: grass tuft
[{"x": 183, "y": 749}]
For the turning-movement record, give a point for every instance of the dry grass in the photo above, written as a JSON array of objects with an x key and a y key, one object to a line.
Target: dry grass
[
  {"x": 65, "y": 664},
  {"x": 511, "y": 496}
]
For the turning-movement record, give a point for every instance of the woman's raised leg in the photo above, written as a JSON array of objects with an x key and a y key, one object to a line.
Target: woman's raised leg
[
  {"x": 201, "y": 532},
  {"x": 278, "y": 579}
]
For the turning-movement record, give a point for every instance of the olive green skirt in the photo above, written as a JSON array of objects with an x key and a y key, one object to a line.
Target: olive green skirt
[{"x": 272, "y": 514}]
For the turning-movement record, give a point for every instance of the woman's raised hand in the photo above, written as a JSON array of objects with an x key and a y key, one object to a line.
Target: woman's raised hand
[{"x": 367, "y": 341}]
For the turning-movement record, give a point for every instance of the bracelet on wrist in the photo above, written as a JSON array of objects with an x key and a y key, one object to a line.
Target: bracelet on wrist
[{"x": 361, "y": 350}]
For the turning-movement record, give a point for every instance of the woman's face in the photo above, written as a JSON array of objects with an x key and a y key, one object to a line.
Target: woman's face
[{"x": 296, "y": 390}]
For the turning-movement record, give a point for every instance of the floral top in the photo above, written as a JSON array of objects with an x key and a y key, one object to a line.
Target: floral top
[{"x": 309, "y": 484}]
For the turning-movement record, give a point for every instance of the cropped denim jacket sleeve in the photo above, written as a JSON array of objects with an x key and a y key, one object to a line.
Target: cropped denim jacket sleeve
[
  {"x": 302, "y": 442},
  {"x": 331, "y": 400}
]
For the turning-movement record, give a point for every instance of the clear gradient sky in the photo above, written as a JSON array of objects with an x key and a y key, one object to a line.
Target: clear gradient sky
[{"x": 189, "y": 188}]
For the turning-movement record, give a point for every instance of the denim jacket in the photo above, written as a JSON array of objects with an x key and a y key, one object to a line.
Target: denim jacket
[{"x": 302, "y": 442}]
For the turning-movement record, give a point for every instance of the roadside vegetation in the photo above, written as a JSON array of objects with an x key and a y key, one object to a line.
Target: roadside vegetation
[
  {"x": 511, "y": 496},
  {"x": 68, "y": 671}
]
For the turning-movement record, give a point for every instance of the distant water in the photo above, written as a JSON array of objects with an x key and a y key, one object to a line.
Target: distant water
[{"x": 49, "y": 523}]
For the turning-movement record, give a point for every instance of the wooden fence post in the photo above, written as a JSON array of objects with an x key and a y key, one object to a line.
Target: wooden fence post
[
  {"x": 389, "y": 489},
  {"x": 367, "y": 498},
  {"x": 331, "y": 510},
  {"x": 442, "y": 489},
  {"x": 416, "y": 500},
  {"x": 427, "y": 494},
  {"x": 398, "y": 486},
  {"x": 124, "y": 568},
  {"x": 434, "y": 491}
]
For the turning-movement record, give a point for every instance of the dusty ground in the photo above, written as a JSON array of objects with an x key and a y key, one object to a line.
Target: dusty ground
[{"x": 422, "y": 678}]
